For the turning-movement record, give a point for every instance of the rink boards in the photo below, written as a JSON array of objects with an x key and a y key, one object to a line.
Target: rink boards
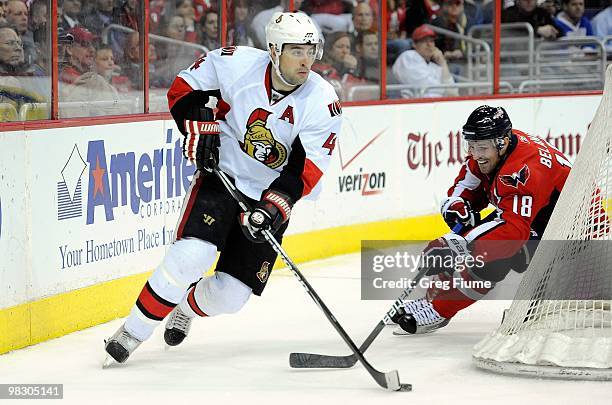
[{"x": 87, "y": 212}]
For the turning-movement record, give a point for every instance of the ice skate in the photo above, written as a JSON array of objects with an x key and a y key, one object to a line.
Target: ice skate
[
  {"x": 393, "y": 320},
  {"x": 420, "y": 318},
  {"x": 119, "y": 347},
  {"x": 177, "y": 327}
]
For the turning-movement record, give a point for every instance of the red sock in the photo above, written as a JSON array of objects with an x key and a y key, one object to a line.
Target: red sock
[{"x": 152, "y": 305}]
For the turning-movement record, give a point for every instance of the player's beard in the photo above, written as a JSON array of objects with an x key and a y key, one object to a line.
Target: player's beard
[
  {"x": 488, "y": 166},
  {"x": 295, "y": 79},
  {"x": 485, "y": 168}
]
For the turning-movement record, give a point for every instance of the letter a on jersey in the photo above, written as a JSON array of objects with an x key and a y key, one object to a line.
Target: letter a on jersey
[
  {"x": 259, "y": 143},
  {"x": 515, "y": 178},
  {"x": 287, "y": 115}
]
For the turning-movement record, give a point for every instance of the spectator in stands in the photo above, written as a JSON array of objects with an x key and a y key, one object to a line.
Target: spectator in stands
[
  {"x": 80, "y": 55},
  {"x": 209, "y": 30},
  {"x": 550, "y": 5},
  {"x": 452, "y": 18},
  {"x": 64, "y": 39},
  {"x": 396, "y": 18},
  {"x": 38, "y": 20},
  {"x": 473, "y": 12},
  {"x": 17, "y": 15},
  {"x": 99, "y": 17},
  {"x": 81, "y": 84},
  {"x": 128, "y": 14},
  {"x": 425, "y": 65},
  {"x": 38, "y": 27},
  {"x": 12, "y": 61},
  {"x": 105, "y": 63},
  {"x": 602, "y": 24},
  {"x": 528, "y": 11},
  {"x": 335, "y": 7},
  {"x": 157, "y": 13},
  {"x": 239, "y": 33},
  {"x": 3, "y": 7},
  {"x": 105, "y": 66},
  {"x": 17, "y": 18},
  {"x": 397, "y": 40},
  {"x": 339, "y": 66},
  {"x": 337, "y": 58},
  {"x": 369, "y": 59},
  {"x": 418, "y": 12},
  {"x": 330, "y": 16},
  {"x": 202, "y": 7},
  {"x": 185, "y": 9},
  {"x": 11, "y": 51},
  {"x": 363, "y": 20},
  {"x": 70, "y": 13},
  {"x": 16, "y": 91},
  {"x": 155, "y": 79},
  {"x": 132, "y": 62},
  {"x": 93, "y": 96},
  {"x": 171, "y": 55},
  {"x": 571, "y": 22},
  {"x": 175, "y": 28}
]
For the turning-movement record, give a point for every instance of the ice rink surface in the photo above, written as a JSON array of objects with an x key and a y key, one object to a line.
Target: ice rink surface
[{"x": 243, "y": 358}]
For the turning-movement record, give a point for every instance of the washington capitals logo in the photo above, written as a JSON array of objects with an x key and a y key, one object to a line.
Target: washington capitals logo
[
  {"x": 259, "y": 143},
  {"x": 515, "y": 178}
]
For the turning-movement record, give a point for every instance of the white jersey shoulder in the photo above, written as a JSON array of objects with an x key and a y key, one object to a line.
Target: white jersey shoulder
[
  {"x": 223, "y": 67},
  {"x": 261, "y": 134}
]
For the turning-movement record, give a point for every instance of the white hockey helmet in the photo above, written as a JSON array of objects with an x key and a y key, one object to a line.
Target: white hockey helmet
[{"x": 291, "y": 28}]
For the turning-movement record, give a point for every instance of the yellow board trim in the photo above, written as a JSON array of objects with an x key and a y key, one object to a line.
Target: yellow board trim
[{"x": 37, "y": 321}]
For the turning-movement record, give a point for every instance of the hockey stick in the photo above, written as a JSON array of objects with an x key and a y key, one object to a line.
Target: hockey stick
[
  {"x": 389, "y": 380},
  {"x": 312, "y": 360}
]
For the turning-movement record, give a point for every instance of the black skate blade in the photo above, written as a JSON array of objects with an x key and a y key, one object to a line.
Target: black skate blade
[{"x": 311, "y": 360}]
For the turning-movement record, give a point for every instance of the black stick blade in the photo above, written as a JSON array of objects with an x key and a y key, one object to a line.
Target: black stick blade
[{"x": 310, "y": 360}]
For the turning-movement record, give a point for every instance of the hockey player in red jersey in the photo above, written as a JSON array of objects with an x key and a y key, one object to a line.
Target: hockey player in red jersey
[
  {"x": 521, "y": 176},
  {"x": 274, "y": 134}
]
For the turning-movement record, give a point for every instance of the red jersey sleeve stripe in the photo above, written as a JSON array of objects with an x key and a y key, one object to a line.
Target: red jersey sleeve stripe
[
  {"x": 310, "y": 176},
  {"x": 178, "y": 89}
]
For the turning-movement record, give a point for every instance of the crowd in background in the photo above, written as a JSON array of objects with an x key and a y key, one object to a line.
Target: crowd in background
[{"x": 100, "y": 43}]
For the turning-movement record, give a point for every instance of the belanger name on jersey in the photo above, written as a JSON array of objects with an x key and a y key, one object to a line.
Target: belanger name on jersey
[
  {"x": 267, "y": 140},
  {"x": 524, "y": 190}
]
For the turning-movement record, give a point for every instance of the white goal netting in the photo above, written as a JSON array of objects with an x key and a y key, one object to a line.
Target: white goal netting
[{"x": 560, "y": 322}]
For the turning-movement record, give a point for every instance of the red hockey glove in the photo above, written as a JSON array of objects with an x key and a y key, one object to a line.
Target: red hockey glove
[
  {"x": 456, "y": 210},
  {"x": 270, "y": 214},
  {"x": 201, "y": 142}
]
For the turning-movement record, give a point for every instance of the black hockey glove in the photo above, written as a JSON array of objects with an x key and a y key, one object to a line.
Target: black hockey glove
[
  {"x": 201, "y": 141},
  {"x": 456, "y": 210},
  {"x": 270, "y": 214}
]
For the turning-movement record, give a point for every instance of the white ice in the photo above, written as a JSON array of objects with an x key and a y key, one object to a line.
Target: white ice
[{"x": 243, "y": 358}]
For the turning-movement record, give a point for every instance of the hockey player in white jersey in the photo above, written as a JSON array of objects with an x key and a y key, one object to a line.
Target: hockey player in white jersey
[{"x": 275, "y": 129}]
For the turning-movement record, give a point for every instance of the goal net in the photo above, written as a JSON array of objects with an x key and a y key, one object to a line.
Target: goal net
[{"x": 560, "y": 322}]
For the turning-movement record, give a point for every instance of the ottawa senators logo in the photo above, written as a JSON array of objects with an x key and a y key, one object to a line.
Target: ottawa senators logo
[
  {"x": 259, "y": 143},
  {"x": 514, "y": 179},
  {"x": 264, "y": 272}
]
